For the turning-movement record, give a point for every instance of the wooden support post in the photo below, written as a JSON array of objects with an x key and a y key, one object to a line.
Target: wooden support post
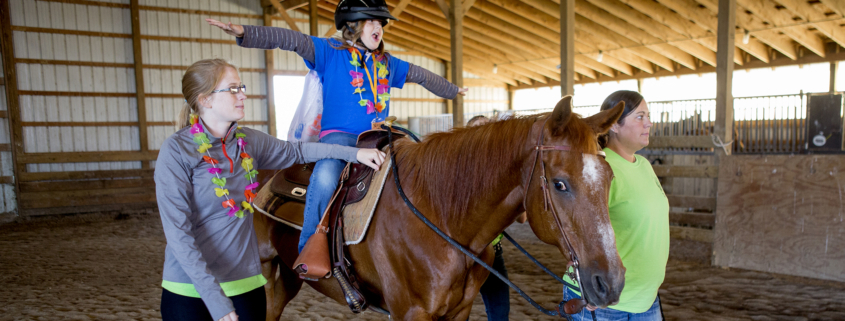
[
  {"x": 510, "y": 98},
  {"x": 834, "y": 68},
  {"x": 449, "y": 103},
  {"x": 270, "y": 67},
  {"x": 456, "y": 17},
  {"x": 313, "y": 18},
  {"x": 640, "y": 85},
  {"x": 567, "y": 47},
  {"x": 723, "y": 127},
  {"x": 724, "y": 72},
  {"x": 13, "y": 114},
  {"x": 134, "y": 13}
]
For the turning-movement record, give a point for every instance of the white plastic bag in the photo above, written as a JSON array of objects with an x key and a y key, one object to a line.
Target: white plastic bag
[{"x": 305, "y": 126}]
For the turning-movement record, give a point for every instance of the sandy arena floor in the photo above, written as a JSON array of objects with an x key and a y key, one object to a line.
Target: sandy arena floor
[{"x": 99, "y": 267}]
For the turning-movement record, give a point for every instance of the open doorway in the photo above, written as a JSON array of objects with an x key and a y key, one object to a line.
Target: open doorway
[{"x": 288, "y": 92}]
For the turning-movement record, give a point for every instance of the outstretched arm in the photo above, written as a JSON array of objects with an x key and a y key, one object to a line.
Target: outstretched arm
[
  {"x": 434, "y": 83},
  {"x": 269, "y": 38}
]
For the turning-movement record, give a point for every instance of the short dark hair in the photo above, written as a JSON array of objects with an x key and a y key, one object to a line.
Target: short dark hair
[
  {"x": 475, "y": 119},
  {"x": 631, "y": 98}
]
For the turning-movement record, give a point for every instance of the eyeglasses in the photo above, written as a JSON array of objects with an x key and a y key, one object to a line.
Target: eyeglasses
[{"x": 233, "y": 90}]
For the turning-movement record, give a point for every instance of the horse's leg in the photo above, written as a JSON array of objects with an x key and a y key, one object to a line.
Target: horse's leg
[{"x": 281, "y": 289}]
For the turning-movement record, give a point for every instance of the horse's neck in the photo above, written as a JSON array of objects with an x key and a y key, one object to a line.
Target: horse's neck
[{"x": 489, "y": 216}]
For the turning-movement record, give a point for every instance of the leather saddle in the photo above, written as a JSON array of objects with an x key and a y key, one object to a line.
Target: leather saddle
[{"x": 325, "y": 252}]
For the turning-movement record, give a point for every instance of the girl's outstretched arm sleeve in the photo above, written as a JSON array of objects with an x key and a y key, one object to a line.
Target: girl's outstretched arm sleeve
[
  {"x": 432, "y": 82},
  {"x": 274, "y": 153},
  {"x": 262, "y": 37}
]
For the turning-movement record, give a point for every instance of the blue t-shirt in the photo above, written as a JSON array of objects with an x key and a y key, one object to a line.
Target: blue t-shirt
[{"x": 341, "y": 108}]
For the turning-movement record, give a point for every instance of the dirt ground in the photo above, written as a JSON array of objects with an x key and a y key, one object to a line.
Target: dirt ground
[{"x": 107, "y": 267}]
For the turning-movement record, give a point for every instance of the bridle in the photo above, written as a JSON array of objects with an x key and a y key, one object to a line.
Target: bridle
[{"x": 537, "y": 156}]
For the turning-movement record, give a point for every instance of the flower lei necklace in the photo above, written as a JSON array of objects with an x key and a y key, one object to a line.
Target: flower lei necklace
[
  {"x": 379, "y": 86},
  {"x": 201, "y": 139}
]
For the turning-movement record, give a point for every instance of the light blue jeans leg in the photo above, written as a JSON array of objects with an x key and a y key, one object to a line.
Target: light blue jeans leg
[
  {"x": 609, "y": 314},
  {"x": 324, "y": 181}
]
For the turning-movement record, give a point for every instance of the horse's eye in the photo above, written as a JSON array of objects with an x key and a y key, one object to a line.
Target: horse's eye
[{"x": 559, "y": 185}]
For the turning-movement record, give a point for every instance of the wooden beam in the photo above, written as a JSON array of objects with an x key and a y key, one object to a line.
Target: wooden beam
[
  {"x": 2, "y": 81},
  {"x": 456, "y": 20},
  {"x": 723, "y": 128},
  {"x": 567, "y": 47},
  {"x": 679, "y": 51},
  {"x": 694, "y": 202},
  {"x": 595, "y": 65},
  {"x": 807, "y": 12},
  {"x": 284, "y": 13},
  {"x": 466, "y": 5},
  {"x": 86, "y": 175},
  {"x": 680, "y": 142},
  {"x": 838, "y": 6},
  {"x": 768, "y": 11},
  {"x": 313, "y": 18},
  {"x": 11, "y": 85},
  {"x": 295, "y": 4},
  {"x": 138, "y": 205},
  {"x": 834, "y": 69},
  {"x": 686, "y": 171},
  {"x": 778, "y": 61},
  {"x": 692, "y": 11},
  {"x": 444, "y": 7},
  {"x": 85, "y": 157},
  {"x": 270, "y": 65},
  {"x": 140, "y": 97},
  {"x": 707, "y": 220},
  {"x": 397, "y": 11},
  {"x": 692, "y": 234}
]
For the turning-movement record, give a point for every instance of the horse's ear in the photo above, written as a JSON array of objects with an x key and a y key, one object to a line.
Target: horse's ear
[
  {"x": 560, "y": 116},
  {"x": 602, "y": 121}
]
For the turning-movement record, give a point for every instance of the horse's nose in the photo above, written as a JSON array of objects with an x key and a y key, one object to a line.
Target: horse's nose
[{"x": 600, "y": 286}]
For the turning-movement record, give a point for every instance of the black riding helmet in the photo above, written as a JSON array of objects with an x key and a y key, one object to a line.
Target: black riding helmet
[{"x": 356, "y": 10}]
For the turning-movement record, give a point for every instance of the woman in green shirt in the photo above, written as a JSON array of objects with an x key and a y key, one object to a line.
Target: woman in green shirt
[{"x": 639, "y": 214}]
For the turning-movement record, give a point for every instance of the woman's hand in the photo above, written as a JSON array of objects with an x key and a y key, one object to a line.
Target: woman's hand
[
  {"x": 370, "y": 157},
  {"x": 232, "y": 29},
  {"x": 229, "y": 317},
  {"x": 463, "y": 91}
]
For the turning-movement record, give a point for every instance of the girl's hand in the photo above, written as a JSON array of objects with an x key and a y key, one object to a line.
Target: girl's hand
[
  {"x": 370, "y": 157},
  {"x": 232, "y": 29},
  {"x": 463, "y": 91},
  {"x": 229, "y": 317}
]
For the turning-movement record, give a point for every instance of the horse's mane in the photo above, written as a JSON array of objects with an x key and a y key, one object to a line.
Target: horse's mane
[{"x": 452, "y": 169}]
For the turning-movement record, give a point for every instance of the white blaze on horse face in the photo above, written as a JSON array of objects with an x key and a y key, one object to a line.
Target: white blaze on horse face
[
  {"x": 592, "y": 171},
  {"x": 592, "y": 175}
]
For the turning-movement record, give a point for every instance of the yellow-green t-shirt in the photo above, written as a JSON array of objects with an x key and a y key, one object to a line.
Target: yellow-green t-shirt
[{"x": 639, "y": 214}]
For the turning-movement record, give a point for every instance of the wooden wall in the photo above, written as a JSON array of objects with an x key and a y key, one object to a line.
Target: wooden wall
[
  {"x": 92, "y": 117},
  {"x": 782, "y": 214},
  {"x": 8, "y": 201}
]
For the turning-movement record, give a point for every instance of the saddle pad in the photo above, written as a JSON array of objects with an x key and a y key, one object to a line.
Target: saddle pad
[{"x": 357, "y": 216}]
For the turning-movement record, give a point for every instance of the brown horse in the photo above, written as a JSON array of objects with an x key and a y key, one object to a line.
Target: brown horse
[{"x": 471, "y": 183}]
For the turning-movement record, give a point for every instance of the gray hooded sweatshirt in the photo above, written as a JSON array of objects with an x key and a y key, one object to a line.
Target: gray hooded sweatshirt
[{"x": 205, "y": 246}]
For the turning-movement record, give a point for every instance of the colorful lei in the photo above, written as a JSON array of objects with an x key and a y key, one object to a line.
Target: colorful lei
[
  {"x": 379, "y": 86},
  {"x": 201, "y": 139}
]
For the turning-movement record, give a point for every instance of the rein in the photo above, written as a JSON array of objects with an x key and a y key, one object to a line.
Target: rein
[{"x": 564, "y": 308}]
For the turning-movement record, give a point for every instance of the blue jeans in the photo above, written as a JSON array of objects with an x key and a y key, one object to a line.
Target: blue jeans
[
  {"x": 323, "y": 184},
  {"x": 608, "y": 314},
  {"x": 494, "y": 292}
]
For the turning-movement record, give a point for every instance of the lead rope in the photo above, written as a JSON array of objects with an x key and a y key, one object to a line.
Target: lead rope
[{"x": 395, "y": 166}]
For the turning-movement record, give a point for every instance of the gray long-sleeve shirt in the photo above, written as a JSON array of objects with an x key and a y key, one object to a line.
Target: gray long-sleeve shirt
[
  {"x": 273, "y": 37},
  {"x": 206, "y": 247}
]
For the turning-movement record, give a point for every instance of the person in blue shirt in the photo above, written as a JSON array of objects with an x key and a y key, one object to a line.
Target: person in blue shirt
[{"x": 356, "y": 74}]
